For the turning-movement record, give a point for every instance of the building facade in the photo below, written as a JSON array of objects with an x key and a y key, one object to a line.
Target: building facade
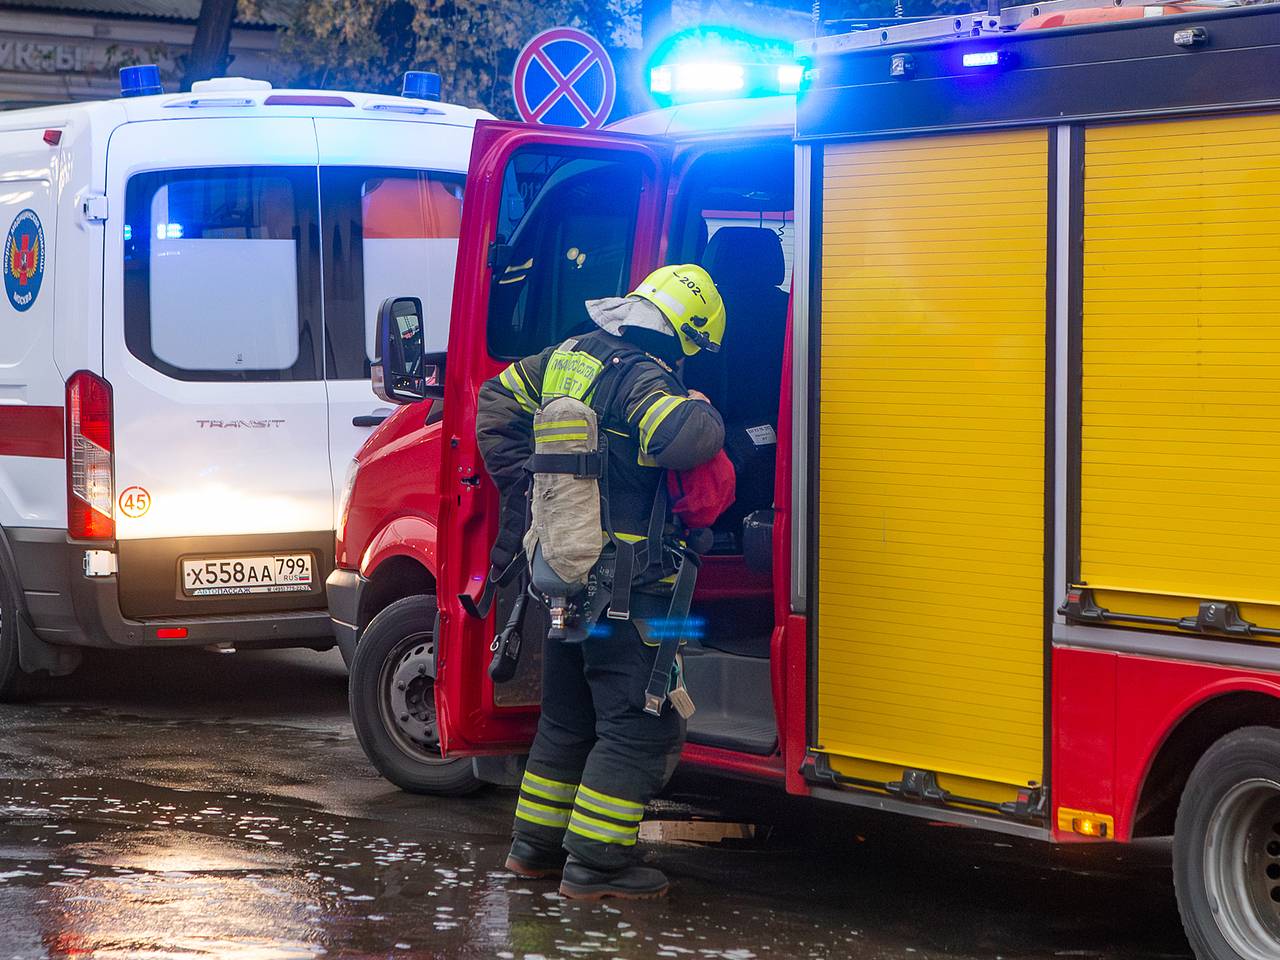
[{"x": 52, "y": 51}]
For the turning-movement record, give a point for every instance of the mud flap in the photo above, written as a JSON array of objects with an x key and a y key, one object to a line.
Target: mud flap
[
  {"x": 504, "y": 771},
  {"x": 35, "y": 654}
]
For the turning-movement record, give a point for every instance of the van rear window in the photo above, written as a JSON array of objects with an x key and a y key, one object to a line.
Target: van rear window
[
  {"x": 387, "y": 233},
  {"x": 220, "y": 273}
]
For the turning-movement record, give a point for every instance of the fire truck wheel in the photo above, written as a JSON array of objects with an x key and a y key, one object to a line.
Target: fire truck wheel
[
  {"x": 393, "y": 707},
  {"x": 1226, "y": 849}
]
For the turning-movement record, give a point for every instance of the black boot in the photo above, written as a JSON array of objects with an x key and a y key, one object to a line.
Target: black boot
[
  {"x": 526, "y": 860},
  {"x": 581, "y": 882}
]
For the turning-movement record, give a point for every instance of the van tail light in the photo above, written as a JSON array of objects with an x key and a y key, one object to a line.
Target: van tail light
[{"x": 90, "y": 480}]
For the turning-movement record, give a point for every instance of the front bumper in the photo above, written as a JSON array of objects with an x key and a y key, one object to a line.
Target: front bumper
[
  {"x": 68, "y": 608},
  {"x": 343, "y": 590}
]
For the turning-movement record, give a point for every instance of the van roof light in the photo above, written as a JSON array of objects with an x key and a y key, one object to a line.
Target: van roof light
[
  {"x": 229, "y": 83},
  {"x": 409, "y": 108},
  {"x": 142, "y": 80},
  {"x": 421, "y": 85}
]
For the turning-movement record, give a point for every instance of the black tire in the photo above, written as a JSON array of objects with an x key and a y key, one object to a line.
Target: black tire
[
  {"x": 1226, "y": 849},
  {"x": 15, "y": 685},
  {"x": 396, "y": 724}
]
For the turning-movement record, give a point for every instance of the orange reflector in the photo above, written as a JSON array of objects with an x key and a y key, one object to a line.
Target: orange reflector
[
  {"x": 171, "y": 633},
  {"x": 1088, "y": 827},
  {"x": 1095, "y": 826}
]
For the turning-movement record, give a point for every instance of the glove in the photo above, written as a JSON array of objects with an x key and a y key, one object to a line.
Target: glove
[{"x": 510, "y": 540}]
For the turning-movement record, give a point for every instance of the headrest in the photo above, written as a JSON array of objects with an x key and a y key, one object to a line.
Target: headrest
[{"x": 745, "y": 258}]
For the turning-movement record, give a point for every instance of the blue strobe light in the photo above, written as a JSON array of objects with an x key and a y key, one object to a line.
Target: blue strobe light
[
  {"x": 142, "y": 80},
  {"x": 421, "y": 85}
]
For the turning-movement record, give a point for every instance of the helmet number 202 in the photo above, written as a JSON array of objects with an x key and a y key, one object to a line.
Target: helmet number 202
[{"x": 697, "y": 290}]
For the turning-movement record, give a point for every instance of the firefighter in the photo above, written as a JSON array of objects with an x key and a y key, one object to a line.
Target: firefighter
[{"x": 599, "y": 756}]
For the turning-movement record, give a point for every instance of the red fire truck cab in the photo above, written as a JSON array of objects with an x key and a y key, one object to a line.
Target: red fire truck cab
[
  {"x": 568, "y": 216},
  {"x": 1005, "y": 547}
]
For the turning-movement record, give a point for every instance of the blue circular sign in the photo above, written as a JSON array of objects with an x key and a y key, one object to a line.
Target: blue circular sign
[
  {"x": 564, "y": 77},
  {"x": 24, "y": 260}
]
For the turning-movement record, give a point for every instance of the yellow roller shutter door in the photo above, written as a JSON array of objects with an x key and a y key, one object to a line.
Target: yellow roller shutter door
[
  {"x": 1180, "y": 426},
  {"x": 930, "y": 611}
]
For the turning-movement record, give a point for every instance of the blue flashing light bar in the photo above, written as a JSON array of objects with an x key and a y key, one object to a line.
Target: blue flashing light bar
[
  {"x": 982, "y": 58},
  {"x": 683, "y": 82},
  {"x": 698, "y": 79},
  {"x": 142, "y": 80},
  {"x": 790, "y": 77},
  {"x": 421, "y": 85},
  {"x": 720, "y": 63}
]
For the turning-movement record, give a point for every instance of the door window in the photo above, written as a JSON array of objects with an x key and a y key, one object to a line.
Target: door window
[
  {"x": 220, "y": 273},
  {"x": 565, "y": 232},
  {"x": 387, "y": 233}
]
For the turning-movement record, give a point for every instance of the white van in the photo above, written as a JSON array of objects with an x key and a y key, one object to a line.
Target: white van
[{"x": 190, "y": 283}]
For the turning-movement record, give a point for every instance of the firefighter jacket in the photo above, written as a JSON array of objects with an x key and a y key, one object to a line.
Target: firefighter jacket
[{"x": 652, "y": 424}]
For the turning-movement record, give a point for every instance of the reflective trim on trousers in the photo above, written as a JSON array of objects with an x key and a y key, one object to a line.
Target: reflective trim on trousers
[
  {"x": 542, "y": 814},
  {"x": 602, "y": 830}
]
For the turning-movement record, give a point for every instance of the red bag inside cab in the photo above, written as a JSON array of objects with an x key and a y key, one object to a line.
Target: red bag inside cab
[{"x": 700, "y": 495}]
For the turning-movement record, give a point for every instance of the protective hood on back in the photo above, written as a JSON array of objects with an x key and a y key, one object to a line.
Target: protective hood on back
[{"x": 612, "y": 314}]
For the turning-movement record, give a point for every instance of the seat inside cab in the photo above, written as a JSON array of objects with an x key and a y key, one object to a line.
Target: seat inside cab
[{"x": 734, "y": 216}]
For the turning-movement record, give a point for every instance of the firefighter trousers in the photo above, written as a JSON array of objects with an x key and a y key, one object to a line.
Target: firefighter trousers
[{"x": 598, "y": 757}]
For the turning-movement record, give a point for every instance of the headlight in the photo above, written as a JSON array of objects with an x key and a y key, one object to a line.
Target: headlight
[{"x": 348, "y": 484}]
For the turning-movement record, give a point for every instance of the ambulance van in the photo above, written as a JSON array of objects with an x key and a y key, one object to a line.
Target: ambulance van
[{"x": 184, "y": 350}]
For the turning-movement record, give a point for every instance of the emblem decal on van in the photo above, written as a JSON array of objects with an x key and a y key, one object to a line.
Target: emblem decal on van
[{"x": 24, "y": 260}]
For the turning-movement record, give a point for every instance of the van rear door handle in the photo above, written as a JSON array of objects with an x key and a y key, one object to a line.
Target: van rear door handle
[{"x": 369, "y": 419}]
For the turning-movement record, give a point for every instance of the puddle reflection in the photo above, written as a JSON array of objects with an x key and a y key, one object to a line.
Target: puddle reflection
[{"x": 185, "y": 875}]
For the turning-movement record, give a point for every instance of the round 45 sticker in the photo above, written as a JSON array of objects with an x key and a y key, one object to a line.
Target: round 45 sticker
[
  {"x": 24, "y": 260},
  {"x": 135, "y": 502}
]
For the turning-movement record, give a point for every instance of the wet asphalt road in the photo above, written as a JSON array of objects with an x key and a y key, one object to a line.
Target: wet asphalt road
[{"x": 191, "y": 804}]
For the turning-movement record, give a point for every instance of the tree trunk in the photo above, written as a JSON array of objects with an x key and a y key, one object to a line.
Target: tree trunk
[{"x": 209, "y": 49}]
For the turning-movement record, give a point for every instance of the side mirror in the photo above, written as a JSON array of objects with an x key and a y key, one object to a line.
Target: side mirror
[{"x": 402, "y": 372}]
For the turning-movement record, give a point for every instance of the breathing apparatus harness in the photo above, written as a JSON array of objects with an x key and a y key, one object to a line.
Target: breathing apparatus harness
[{"x": 567, "y": 502}]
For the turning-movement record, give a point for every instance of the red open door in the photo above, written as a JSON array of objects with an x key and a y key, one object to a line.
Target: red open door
[{"x": 551, "y": 218}]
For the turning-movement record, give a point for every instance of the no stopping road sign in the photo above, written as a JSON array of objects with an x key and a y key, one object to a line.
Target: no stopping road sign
[{"x": 564, "y": 77}]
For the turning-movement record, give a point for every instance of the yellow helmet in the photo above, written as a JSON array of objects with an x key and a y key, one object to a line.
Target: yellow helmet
[{"x": 691, "y": 303}]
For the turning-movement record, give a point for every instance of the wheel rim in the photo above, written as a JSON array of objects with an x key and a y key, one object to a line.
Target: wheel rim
[
  {"x": 406, "y": 698},
  {"x": 1242, "y": 868}
]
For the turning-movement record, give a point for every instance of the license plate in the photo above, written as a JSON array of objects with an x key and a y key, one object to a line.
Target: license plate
[{"x": 233, "y": 576}]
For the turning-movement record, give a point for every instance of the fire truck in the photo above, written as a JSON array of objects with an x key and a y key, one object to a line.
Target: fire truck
[{"x": 1004, "y": 552}]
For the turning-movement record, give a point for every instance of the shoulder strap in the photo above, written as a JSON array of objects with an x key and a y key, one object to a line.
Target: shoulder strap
[
  {"x": 619, "y": 364},
  {"x": 616, "y": 359}
]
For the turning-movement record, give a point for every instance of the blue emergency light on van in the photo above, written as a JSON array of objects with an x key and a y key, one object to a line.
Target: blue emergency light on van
[
  {"x": 142, "y": 80},
  {"x": 421, "y": 85}
]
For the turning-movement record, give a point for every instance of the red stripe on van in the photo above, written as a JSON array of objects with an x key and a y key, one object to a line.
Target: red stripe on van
[{"x": 31, "y": 432}]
